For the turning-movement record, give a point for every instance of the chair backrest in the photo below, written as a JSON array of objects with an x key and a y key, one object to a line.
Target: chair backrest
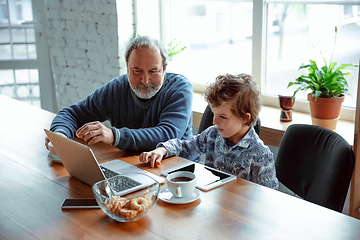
[
  {"x": 316, "y": 164},
  {"x": 207, "y": 121}
]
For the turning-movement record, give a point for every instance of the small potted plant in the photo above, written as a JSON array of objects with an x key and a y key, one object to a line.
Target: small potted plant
[{"x": 328, "y": 87}]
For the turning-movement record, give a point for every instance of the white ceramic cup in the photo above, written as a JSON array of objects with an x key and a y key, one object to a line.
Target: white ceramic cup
[
  {"x": 52, "y": 150},
  {"x": 181, "y": 184}
]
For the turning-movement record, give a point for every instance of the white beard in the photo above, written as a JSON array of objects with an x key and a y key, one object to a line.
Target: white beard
[
  {"x": 152, "y": 89},
  {"x": 147, "y": 94}
]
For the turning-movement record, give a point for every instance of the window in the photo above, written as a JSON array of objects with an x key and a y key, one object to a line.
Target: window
[
  {"x": 19, "y": 75},
  {"x": 269, "y": 39},
  {"x": 297, "y": 32},
  {"x": 217, "y": 36},
  {"x": 17, "y": 31}
]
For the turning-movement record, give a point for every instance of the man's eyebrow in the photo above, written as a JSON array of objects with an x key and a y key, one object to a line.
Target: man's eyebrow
[{"x": 154, "y": 68}]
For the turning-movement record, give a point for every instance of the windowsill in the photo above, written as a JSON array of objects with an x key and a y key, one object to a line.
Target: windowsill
[{"x": 272, "y": 129}]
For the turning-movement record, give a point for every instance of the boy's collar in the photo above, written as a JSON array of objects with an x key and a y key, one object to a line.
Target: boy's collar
[{"x": 248, "y": 135}]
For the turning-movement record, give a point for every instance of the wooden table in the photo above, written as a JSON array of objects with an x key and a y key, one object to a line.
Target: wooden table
[{"x": 32, "y": 190}]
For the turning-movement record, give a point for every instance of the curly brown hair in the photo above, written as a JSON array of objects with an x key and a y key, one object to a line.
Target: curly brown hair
[{"x": 241, "y": 89}]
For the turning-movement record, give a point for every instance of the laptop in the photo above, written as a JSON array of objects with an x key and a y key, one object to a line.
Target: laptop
[
  {"x": 81, "y": 163},
  {"x": 207, "y": 177}
]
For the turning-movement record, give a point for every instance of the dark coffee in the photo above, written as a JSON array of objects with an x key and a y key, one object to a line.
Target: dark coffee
[{"x": 181, "y": 179}]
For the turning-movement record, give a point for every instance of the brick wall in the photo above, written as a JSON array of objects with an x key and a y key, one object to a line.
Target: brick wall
[{"x": 83, "y": 46}]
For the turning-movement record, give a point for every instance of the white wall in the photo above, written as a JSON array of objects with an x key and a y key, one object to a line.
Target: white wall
[{"x": 83, "y": 46}]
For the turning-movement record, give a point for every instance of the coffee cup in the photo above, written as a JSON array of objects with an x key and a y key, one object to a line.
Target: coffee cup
[
  {"x": 181, "y": 184},
  {"x": 52, "y": 150}
]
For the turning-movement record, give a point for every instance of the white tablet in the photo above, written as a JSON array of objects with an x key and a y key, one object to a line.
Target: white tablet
[{"x": 207, "y": 177}]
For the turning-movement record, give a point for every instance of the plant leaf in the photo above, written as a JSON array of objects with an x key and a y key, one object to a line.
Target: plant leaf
[
  {"x": 345, "y": 66},
  {"x": 332, "y": 65},
  {"x": 304, "y": 66}
]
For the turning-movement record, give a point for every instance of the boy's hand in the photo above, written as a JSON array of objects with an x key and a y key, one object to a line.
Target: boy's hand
[{"x": 155, "y": 156}]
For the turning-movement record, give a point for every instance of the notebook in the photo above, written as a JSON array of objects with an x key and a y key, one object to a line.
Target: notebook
[{"x": 81, "y": 163}]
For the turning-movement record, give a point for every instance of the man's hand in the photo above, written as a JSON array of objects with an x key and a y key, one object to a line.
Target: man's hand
[
  {"x": 94, "y": 132},
  {"x": 47, "y": 140},
  {"x": 153, "y": 157}
]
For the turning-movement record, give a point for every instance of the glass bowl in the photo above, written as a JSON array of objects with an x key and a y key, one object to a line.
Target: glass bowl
[{"x": 122, "y": 206}]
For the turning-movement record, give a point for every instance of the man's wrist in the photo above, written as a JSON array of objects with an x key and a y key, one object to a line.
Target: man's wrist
[
  {"x": 116, "y": 134},
  {"x": 61, "y": 133}
]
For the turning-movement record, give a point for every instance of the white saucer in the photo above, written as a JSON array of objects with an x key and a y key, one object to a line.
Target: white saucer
[
  {"x": 168, "y": 197},
  {"x": 54, "y": 159}
]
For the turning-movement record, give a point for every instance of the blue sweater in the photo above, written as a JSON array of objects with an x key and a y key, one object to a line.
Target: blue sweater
[{"x": 136, "y": 125}]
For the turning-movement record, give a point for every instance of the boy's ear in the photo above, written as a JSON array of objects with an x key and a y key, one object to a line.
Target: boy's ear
[{"x": 247, "y": 118}]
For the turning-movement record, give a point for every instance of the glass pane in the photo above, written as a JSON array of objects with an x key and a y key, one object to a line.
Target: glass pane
[
  {"x": 217, "y": 36},
  {"x": 297, "y": 32},
  {"x": 20, "y": 51},
  {"x": 5, "y": 35},
  {"x": 7, "y": 91},
  {"x": 22, "y": 76},
  {"x": 36, "y": 91},
  {"x": 15, "y": 12},
  {"x": 7, "y": 77},
  {"x": 31, "y": 48},
  {"x": 30, "y": 34},
  {"x": 27, "y": 88},
  {"x": 23, "y": 91},
  {"x": 34, "y": 76},
  {"x": 18, "y": 35},
  {"x": 7, "y": 82},
  {"x": 5, "y": 52},
  {"x": 4, "y": 15}
]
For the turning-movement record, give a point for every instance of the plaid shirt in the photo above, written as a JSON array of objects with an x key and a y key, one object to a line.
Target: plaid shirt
[{"x": 249, "y": 159}]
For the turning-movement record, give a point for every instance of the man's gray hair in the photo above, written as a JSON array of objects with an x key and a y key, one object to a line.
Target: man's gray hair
[{"x": 147, "y": 42}]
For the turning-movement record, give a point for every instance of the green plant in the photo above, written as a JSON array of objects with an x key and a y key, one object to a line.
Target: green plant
[
  {"x": 326, "y": 82},
  {"x": 172, "y": 48}
]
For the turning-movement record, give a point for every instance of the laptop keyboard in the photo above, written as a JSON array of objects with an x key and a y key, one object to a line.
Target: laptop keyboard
[
  {"x": 107, "y": 172},
  {"x": 120, "y": 184}
]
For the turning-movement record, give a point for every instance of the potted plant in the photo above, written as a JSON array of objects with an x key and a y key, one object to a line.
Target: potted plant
[{"x": 328, "y": 87}]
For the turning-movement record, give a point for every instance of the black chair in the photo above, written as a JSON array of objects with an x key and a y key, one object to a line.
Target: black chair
[
  {"x": 207, "y": 121},
  {"x": 316, "y": 164}
]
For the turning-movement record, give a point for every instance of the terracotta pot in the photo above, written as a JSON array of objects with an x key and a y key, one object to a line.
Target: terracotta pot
[{"x": 325, "y": 108}]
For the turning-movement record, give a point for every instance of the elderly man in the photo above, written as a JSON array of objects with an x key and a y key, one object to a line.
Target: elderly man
[{"x": 145, "y": 106}]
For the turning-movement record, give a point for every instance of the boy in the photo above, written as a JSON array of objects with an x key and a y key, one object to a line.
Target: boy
[{"x": 232, "y": 145}]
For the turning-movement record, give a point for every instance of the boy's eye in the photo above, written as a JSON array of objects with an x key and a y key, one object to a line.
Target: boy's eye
[{"x": 223, "y": 117}]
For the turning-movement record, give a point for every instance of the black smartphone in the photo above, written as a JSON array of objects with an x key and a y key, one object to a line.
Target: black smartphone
[{"x": 79, "y": 203}]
